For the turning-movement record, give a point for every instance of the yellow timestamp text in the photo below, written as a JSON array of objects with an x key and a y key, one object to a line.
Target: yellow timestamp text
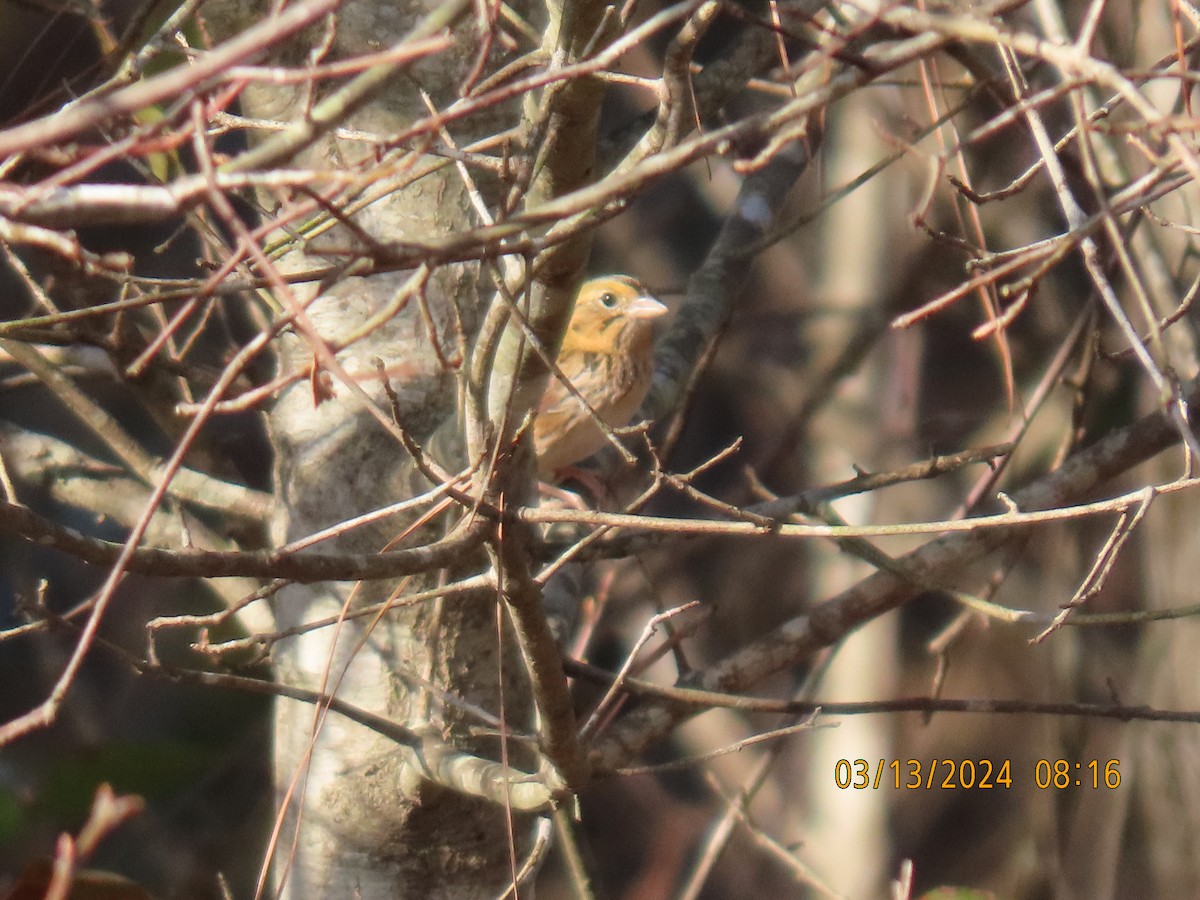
[
  {"x": 972, "y": 774},
  {"x": 1065, "y": 773},
  {"x": 923, "y": 774}
]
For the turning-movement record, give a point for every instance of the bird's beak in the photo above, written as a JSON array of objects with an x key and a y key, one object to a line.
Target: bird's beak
[{"x": 645, "y": 308}]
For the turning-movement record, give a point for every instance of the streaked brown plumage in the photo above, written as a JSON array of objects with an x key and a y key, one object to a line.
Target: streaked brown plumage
[{"x": 608, "y": 355}]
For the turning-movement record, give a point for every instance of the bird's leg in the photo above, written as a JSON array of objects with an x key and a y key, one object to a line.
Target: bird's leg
[
  {"x": 567, "y": 498},
  {"x": 600, "y": 493}
]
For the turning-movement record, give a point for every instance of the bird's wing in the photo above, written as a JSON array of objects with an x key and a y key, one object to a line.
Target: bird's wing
[{"x": 558, "y": 405}]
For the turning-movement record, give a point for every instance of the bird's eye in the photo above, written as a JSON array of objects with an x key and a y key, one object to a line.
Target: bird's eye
[{"x": 608, "y": 300}]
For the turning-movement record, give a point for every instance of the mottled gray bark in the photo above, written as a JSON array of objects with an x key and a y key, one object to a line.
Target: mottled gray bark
[{"x": 364, "y": 817}]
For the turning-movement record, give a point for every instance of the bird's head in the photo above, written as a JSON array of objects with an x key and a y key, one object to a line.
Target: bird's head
[{"x": 612, "y": 313}]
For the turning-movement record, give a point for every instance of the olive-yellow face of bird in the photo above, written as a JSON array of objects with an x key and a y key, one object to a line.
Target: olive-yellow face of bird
[{"x": 607, "y": 355}]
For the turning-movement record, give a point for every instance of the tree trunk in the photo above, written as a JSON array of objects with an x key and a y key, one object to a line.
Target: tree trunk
[{"x": 363, "y": 816}]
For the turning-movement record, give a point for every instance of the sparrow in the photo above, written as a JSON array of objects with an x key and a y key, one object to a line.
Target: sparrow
[{"x": 607, "y": 354}]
